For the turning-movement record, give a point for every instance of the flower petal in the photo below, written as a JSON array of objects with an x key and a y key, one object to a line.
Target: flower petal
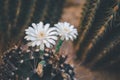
[
  {"x": 51, "y": 41},
  {"x": 38, "y": 43},
  {"x": 71, "y": 37},
  {"x": 52, "y": 37},
  {"x": 46, "y": 27},
  {"x": 33, "y": 44},
  {"x": 47, "y": 44},
  {"x": 50, "y": 30},
  {"x": 53, "y": 33},
  {"x": 34, "y": 25}
]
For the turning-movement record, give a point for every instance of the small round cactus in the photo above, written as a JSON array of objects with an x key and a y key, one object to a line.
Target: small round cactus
[{"x": 20, "y": 64}]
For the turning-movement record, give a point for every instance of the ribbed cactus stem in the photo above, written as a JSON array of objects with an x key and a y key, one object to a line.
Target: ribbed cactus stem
[
  {"x": 4, "y": 24},
  {"x": 6, "y": 18},
  {"x": 85, "y": 8},
  {"x": 45, "y": 10},
  {"x": 105, "y": 51},
  {"x": 96, "y": 37},
  {"x": 99, "y": 34},
  {"x": 8, "y": 24},
  {"x": 88, "y": 23},
  {"x": 28, "y": 17},
  {"x": 52, "y": 11},
  {"x": 110, "y": 63},
  {"x": 84, "y": 13},
  {"x": 39, "y": 9},
  {"x": 17, "y": 13}
]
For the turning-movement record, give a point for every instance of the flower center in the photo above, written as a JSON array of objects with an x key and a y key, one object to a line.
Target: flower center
[
  {"x": 41, "y": 35},
  {"x": 66, "y": 30}
]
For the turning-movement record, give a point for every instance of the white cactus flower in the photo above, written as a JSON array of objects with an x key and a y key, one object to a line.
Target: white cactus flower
[
  {"x": 66, "y": 31},
  {"x": 41, "y": 35}
]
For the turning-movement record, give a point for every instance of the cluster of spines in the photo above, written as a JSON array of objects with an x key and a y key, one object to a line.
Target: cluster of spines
[{"x": 59, "y": 67}]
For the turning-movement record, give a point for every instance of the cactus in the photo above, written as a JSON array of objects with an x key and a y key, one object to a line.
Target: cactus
[
  {"x": 94, "y": 42},
  {"x": 20, "y": 64},
  {"x": 98, "y": 42}
]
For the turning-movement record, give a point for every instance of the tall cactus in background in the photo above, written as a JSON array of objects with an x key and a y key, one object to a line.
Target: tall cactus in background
[
  {"x": 87, "y": 20},
  {"x": 99, "y": 34},
  {"x": 98, "y": 44},
  {"x": 17, "y": 15}
]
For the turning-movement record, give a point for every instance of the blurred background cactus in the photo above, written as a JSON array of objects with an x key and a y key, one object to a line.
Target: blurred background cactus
[
  {"x": 17, "y": 15},
  {"x": 98, "y": 21}
]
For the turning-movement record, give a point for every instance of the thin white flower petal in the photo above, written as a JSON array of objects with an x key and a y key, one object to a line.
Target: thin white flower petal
[
  {"x": 59, "y": 29},
  {"x": 35, "y": 28},
  {"x": 32, "y": 38},
  {"x": 38, "y": 43},
  {"x": 33, "y": 44},
  {"x": 74, "y": 30},
  {"x": 50, "y": 30},
  {"x": 40, "y": 29},
  {"x": 46, "y": 43},
  {"x": 29, "y": 43},
  {"x": 71, "y": 37},
  {"x": 40, "y": 26},
  {"x": 46, "y": 27},
  {"x": 34, "y": 25},
  {"x": 30, "y": 33},
  {"x": 52, "y": 37},
  {"x": 60, "y": 26},
  {"x": 76, "y": 33},
  {"x": 51, "y": 41},
  {"x": 67, "y": 38},
  {"x": 71, "y": 26},
  {"x": 28, "y": 38},
  {"x": 53, "y": 33},
  {"x": 74, "y": 36},
  {"x": 66, "y": 24},
  {"x": 30, "y": 29}
]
